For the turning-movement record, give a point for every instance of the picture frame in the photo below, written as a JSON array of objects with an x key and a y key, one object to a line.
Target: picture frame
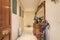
[
  {"x": 21, "y": 12},
  {"x": 55, "y": 1},
  {"x": 14, "y": 6}
]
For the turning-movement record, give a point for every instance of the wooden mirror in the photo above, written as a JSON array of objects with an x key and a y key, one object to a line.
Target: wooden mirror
[
  {"x": 39, "y": 21},
  {"x": 40, "y": 13}
]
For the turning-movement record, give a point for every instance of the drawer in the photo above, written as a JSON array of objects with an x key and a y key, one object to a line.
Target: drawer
[{"x": 6, "y": 37}]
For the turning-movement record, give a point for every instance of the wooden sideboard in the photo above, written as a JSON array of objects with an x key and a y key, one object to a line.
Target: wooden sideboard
[{"x": 37, "y": 30}]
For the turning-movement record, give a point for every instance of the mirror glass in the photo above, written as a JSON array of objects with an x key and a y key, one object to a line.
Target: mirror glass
[{"x": 40, "y": 13}]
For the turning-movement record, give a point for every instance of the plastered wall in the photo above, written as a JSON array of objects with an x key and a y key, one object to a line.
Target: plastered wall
[
  {"x": 53, "y": 17},
  {"x": 28, "y": 18},
  {"x": 15, "y": 24}
]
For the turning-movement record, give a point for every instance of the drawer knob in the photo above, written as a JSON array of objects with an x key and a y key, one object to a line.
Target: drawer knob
[{"x": 5, "y": 32}]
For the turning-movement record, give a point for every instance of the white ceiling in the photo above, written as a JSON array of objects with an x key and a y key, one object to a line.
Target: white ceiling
[{"x": 29, "y": 5}]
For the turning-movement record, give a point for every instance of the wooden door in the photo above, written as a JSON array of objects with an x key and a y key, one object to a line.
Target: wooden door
[
  {"x": 5, "y": 16},
  {"x": 6, "y": 13}
]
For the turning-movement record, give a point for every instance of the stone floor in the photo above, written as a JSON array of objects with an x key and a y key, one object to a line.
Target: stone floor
[{"x": 27, "y": 34}]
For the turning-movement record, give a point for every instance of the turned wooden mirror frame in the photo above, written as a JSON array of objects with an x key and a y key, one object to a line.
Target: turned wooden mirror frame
[{"x": 41, "y": 11}]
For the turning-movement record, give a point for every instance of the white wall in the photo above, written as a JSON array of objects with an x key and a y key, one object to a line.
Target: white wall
[
  {"x": 28, "y": 18},
  {"x": 53, "y": 17},
  {"x": 15, "y": 24}
]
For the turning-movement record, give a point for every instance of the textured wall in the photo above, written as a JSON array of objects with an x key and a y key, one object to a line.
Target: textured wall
[
  {"x": 15, "y": 24},
  {"x": 28, "y": 18},
  {"x": 53, "y": 17}
]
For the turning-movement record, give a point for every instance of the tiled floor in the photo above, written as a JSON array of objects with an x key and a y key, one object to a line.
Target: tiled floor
[{"x": 27, "y": 34}]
